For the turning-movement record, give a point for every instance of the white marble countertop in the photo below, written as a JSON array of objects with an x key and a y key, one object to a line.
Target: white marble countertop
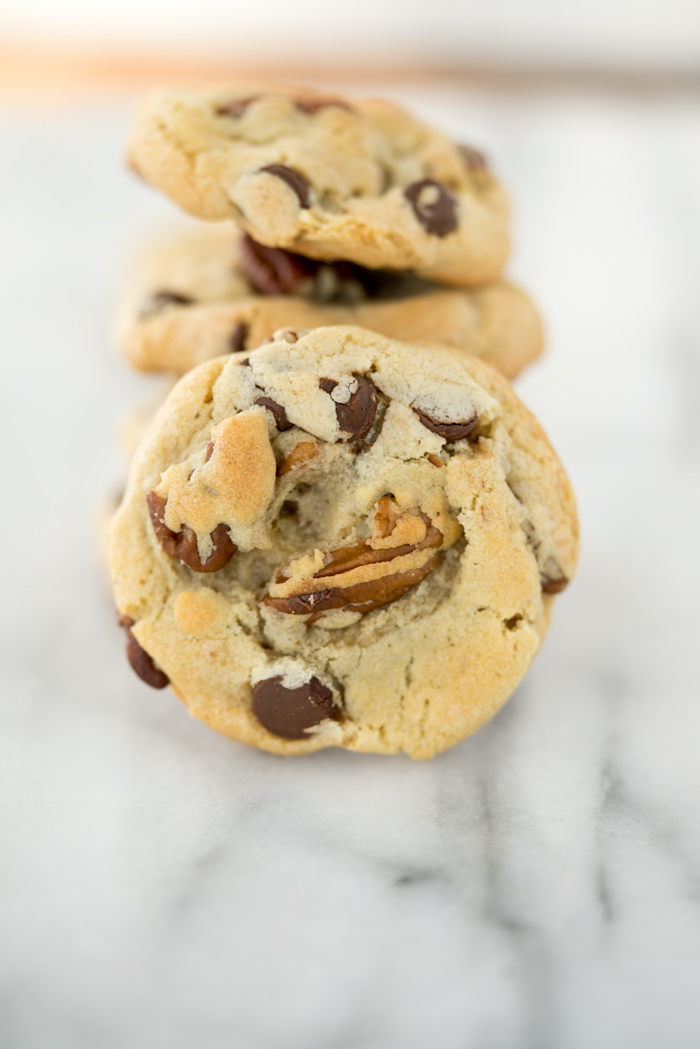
[{"x": 538, "y": 886}]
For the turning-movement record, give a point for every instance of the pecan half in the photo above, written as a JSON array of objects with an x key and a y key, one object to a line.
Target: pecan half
[
  {"x": 405, "y": 547},
  {"x": 183, "y": 544},
  {"x": 301, "y": 455}
]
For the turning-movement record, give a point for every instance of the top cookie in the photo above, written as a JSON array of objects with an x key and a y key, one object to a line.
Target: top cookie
[{"x": 326, "y": 178}]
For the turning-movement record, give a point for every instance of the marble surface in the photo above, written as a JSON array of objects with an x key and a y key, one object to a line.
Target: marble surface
[{"x": 537, "y": 887}]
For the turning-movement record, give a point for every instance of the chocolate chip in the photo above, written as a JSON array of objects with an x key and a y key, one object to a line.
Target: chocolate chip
[
  {"x": 289, "y": 712},
  {"x": 294, "y": 179},
  {"x": 237, "y": 338},
  {"x": 434, "y": 207},
  {"x": 450, "y": 431},
  {"x": 160, "y": 299},
  {"x": 183, "y": 544},
  {"x": 281, "y": 420},
  {"x": 141, "y": 662},
  {"x": 236, "y": 107},
  {"x": 273, "y": 271},
  {"x": 474, "y": 160},
  {"x": 554, "y": 586},
  {"x": 312, "y": 105},
  {"x": 356, "y": 416}
]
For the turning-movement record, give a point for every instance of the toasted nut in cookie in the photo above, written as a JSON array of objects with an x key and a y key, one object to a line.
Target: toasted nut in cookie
[{"x": 367, "y": 575}]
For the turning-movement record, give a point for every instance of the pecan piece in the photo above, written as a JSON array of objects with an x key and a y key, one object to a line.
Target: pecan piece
[
  {"x": 301, "y": 455},
  {"x": 359, "y": 578},
  {"x": 183, "y": 544},
  {"x": 290, "y": 712}
]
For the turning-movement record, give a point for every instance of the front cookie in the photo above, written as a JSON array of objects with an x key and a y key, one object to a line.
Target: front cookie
[
  {"x": 327, "y": 178},
  {"x": 342, "y": 541},
  {"x": 212, "y": 292}
]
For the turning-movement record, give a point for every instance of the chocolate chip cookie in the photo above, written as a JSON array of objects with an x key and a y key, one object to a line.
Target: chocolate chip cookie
[
  {"x": 215, "y": 291},
  {"x": 342, "y": 540},
  {"x": 327, "y": 178}
]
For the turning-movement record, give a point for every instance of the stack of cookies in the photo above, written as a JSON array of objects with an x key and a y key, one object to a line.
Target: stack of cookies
[{"x": 342, "y": 528}]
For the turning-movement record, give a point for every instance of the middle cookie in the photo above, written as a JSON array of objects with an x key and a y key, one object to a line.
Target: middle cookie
[{"x": 214, "y": 291}]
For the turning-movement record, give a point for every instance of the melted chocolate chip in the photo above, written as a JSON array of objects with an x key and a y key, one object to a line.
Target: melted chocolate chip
[
  {"x": 237, "y": 338},
  {"x": 450, "y": 431},
  {"x": 294, "y": 179},
  {"x": 433, "y": 206},
  {"x": 236, "y": 107},
  {"x": 141, "y": 662},
  {"x": 289, "y": 712},
  {"x": 281, "y": 420},
  {"x": 160, "y": 299},
  {"x": 553, "y": 586},
  {"x": 312, "y": 105},
  {"x": 273, "y": 271},
  {"x": 356, "y": 416},
  {"x": 183, "y": 544},
  {"x": 474, "y": 160}
]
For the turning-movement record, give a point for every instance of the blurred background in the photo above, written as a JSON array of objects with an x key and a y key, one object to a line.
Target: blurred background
[
  {"x": 647, "y": 39},
  {"x": 537, "y": 886}
]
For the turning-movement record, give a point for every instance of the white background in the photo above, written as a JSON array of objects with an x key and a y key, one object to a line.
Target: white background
[{"x": 537, "y": 886}]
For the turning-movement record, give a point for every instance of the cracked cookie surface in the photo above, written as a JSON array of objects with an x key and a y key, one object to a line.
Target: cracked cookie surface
[
  {"x": 206, "y": 293},
  {"x": 397, "y": 526},
  {"x": 327, "y": 178}
]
